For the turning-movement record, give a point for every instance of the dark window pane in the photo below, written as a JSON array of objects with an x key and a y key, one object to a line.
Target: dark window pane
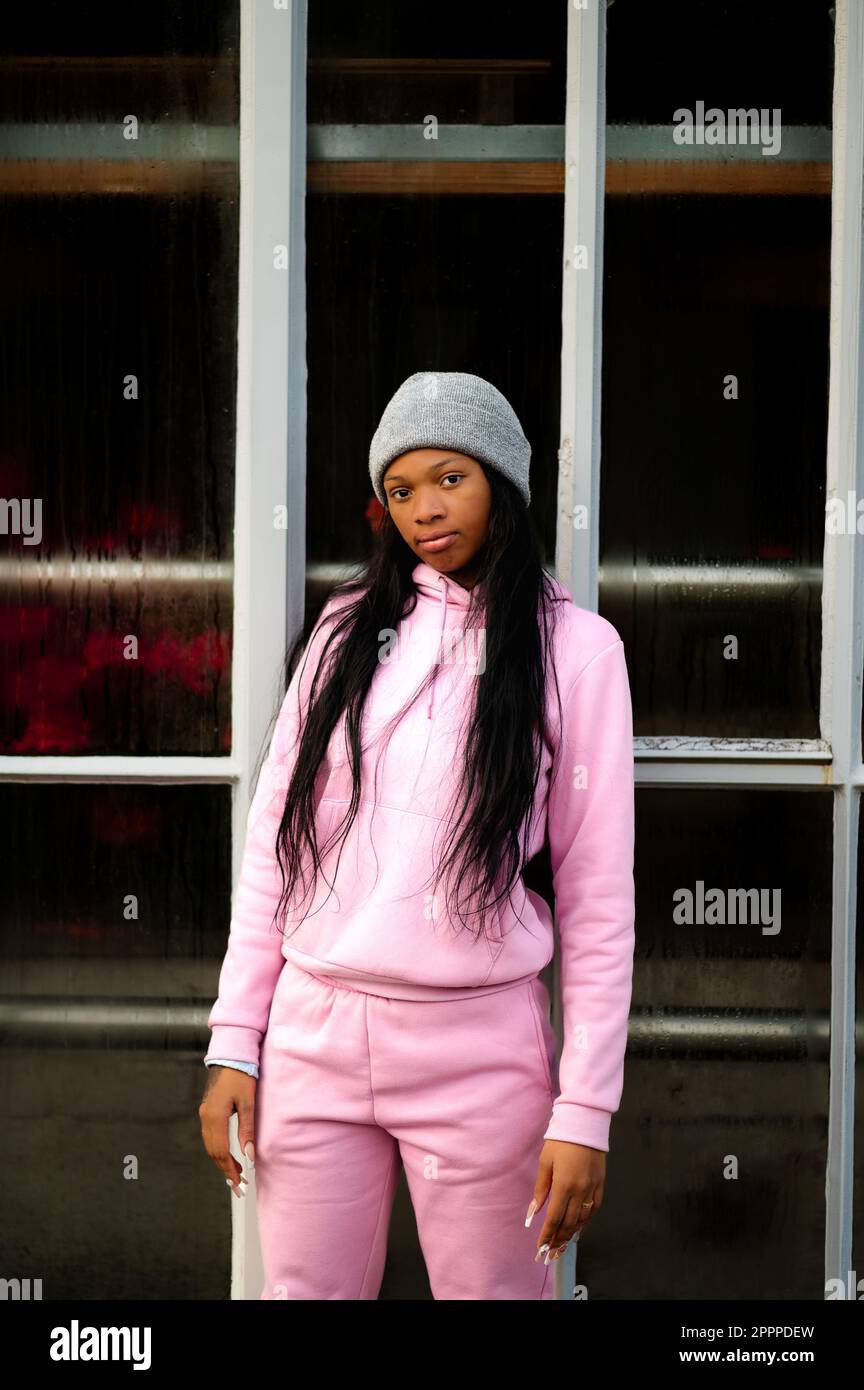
[
  {"x": 110, "y": 959},
  {"x": 484, "y": 63},
  {"x": 720, "y": 1144},
  {"x": 118, "y": 260},
  {"x": 727, "y": 52},
  {"x": 715, "y": 365},
  {"x": 461, "y": 319},
  {"x": 439, "y": 254}
]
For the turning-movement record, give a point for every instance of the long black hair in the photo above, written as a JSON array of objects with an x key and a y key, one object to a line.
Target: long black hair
[{"x": 514, "y": 598}]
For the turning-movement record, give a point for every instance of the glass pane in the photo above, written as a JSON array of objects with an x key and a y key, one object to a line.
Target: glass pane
[
  {"x": 482, "y": 64},
  {"x": 717, "y": 1188},
  {"x": 118, "y": 263},
  {"x": 109, "y": 964},
  {"x": 715, "y": 362},
  {"x": 434, "y": 223}
]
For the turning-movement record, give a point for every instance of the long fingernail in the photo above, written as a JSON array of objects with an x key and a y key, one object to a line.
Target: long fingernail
[
  {"x": 249, "y": 1151},
  {"x": 540, "y": 1252},
  {"x": 531, "y": 1210}
]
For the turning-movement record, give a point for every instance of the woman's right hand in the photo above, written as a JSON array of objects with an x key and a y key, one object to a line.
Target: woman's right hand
[{"x": 228, "y": 1089}]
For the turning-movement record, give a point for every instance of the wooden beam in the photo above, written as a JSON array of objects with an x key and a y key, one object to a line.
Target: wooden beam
[
  {"x": 393, "y": 178},
  {"x": 762, "y": 178}
]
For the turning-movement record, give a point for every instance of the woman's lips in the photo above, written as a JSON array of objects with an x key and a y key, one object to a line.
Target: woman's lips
[{"x": 441, "y": 544}]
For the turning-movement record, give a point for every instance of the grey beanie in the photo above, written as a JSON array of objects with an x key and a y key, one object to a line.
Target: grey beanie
[{"x": 451, "y": 410}]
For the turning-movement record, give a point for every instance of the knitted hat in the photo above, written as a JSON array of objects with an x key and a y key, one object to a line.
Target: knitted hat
[{"x": 451, "y": 410}]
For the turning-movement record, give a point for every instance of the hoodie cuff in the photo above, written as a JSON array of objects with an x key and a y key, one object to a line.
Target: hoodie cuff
[
  {"x": 580, "y": 1124},
  {"x": 229, "y": 1040},
  {"x": 250, "y": 1068}
]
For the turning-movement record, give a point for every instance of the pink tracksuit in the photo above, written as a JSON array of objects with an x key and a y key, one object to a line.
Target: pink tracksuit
[{"x": 382, "y": 1032}]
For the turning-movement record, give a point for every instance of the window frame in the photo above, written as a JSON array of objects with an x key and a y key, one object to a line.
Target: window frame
[
  {"x": 270, "y": 471},
  {"x": 834, "y": 761}
]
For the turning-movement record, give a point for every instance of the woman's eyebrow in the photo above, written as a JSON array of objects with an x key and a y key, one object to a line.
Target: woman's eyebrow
[{"x": 398, "y": 478}]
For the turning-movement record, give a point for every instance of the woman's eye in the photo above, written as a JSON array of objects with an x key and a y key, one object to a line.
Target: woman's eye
[{"x": 394, "y": 495}]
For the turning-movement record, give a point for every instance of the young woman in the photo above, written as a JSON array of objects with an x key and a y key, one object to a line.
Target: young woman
[{"x": 454, "y": 710}]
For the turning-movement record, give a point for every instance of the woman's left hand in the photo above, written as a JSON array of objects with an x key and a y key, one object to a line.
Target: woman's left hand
[{"x": 570, "y": 1175}]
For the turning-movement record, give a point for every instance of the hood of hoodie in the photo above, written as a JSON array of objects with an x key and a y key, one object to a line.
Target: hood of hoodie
[
  {"x": 445, "y": 597},
  {"x": 439, "y": 597}
]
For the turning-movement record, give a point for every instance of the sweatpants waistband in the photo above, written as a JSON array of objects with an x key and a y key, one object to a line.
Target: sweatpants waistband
[{"x": 342, "y": 978}]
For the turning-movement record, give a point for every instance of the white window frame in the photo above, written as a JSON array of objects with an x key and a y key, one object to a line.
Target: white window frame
[
  {"x": 270, "y": 582},
  {"x": 270, "y": 563}
]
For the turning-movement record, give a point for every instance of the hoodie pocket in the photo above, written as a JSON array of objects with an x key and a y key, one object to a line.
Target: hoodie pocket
[
  {"x": 494, "y": 929},
  {"x": 504, "y": 916},
  {"x": 330, "y": 814}
]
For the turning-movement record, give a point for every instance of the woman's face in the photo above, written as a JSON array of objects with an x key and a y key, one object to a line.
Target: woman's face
[{"x": 438, "y": 492}]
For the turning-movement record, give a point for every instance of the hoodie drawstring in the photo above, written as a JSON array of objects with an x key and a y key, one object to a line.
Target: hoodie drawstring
[{"x": 443, "y": 582}]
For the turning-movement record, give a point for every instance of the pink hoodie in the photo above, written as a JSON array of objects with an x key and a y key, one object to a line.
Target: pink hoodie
[{"x": 392, "y": 936}]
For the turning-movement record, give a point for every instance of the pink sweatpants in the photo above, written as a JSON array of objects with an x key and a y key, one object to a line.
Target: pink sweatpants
[{"x": 458, "y": 1091}]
